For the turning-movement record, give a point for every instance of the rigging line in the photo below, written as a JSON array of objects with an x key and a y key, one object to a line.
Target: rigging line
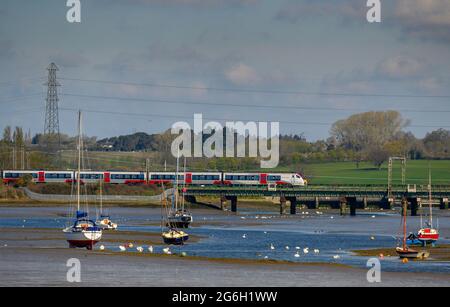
[
  {"x": 265, "y": 91},
  {"x": 243, "y": 105},
  {"x": 224, "y": 119}
]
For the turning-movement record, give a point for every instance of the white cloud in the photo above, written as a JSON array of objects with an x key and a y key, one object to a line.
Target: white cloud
[
  {"x": 401, "y": 66},
  {"x": 242, "y": 74}
]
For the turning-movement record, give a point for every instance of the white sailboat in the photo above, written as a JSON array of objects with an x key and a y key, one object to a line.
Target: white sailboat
[
  {"x": 84, "y": 232},
  {"x": 104, "y": 220},
  {"x": 428, "y": 235},
  {"x": 179, "y": 217}
]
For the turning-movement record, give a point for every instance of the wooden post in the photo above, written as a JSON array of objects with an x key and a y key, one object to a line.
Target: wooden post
[
  {"x": 353, "y": 204},
  {"x": 317, "y": 203}
]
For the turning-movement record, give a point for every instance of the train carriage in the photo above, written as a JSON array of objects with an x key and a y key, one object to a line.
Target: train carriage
[
  {"x": 289, "y": 179},
  {"x": 125, "y": 177}
]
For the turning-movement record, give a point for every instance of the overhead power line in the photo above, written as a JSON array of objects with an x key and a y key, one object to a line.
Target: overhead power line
[
  {"x": 275, "y": 107},
  {"x": 264, "y": 91}
]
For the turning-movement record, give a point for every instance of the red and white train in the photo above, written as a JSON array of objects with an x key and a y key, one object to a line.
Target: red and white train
[{"x": 188, "y": 178}]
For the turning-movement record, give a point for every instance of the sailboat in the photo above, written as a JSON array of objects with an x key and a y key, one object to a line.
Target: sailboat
[
  {"x": 179, "y": 217},
  {"x": 104, "y": 221},
  {"x": 404, "y": 251},
  {"x": 428, "y": 235},
  {"x": 172, "y": 235},
  {"x": 84, "y": 232}
]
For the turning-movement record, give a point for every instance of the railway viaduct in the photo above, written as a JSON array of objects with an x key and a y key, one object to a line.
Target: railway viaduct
[{"x": 347, "y": 198}]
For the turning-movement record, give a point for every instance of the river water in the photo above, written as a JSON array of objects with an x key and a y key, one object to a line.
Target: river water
[{"x": 250, "y": 234}]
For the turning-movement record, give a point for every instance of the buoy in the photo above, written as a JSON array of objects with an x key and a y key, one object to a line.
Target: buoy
[
  {"x": 381, "y": 256},
  {"x": 405, "y": 260},
  {"x": 150, "y": 249}
]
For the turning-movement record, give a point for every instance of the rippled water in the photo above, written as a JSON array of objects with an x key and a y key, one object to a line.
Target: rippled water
[{"x": 250, "y": 235}]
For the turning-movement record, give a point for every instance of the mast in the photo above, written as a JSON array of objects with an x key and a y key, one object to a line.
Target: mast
[
  {"x": 176, "y": 180},
  {"x": 430, "y": 197},
  {"x": 184, "y": 183},
  {"x": 405, "y": 212},
  {"x": 80, "y": 140}
]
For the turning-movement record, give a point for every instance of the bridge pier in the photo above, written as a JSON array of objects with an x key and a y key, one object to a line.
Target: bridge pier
[
  {"x": 233, "y": 200},
  {"x": 190, "y": 199},
  {"x": 353, "y": 204},
  {"x": 293, "y": 202},
  {"x": 444, "y": 204},
  {"x": 415, "y": 204}
]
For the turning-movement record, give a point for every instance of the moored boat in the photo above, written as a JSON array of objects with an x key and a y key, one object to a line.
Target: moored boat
[
  {"x": 175, "y": 237},
  {"x": 84, "y": 232},
  {"x": 428, "y": 235},
  {"x": 405, "y": 251}
]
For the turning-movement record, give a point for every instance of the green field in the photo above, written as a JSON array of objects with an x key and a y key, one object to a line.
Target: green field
[{"x": 348, "y": 173}]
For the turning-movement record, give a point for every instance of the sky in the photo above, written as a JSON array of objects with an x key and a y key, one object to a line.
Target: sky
[{"x": 142, "y": 65}]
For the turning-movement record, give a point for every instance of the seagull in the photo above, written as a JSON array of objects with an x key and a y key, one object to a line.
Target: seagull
[
  {"x": 336, "y": 257},
  {"x": 265, "y": 232},
  {"x": 297, "y": 247},
  {"x": 332, "y": 217},
  {"x": 150, "y": 249},
  {"x": 244, "y": 236},
  {"x": 265, "y": 257},
  {"x": 272, "y": 247},
  {"x": 102, "y": 247},
  {"x": 167, "y": 251},
  {"x": 372, "y": 238},
  {"x": 306, "y": 250},
  {"x": 122, "y": 248},
  {"x": 287, "y": 247},
  {"x": 373, "y": 216},
  {"x": 139, "y": 249},
  {"x": 297, "y": 255},
  {"x": 316, "y": 251}
]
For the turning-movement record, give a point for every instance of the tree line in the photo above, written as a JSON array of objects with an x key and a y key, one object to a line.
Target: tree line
[{"x": 370, "y": 136}]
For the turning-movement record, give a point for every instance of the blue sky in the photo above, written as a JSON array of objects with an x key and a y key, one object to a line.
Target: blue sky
[{"x": 291, "y": 47}]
